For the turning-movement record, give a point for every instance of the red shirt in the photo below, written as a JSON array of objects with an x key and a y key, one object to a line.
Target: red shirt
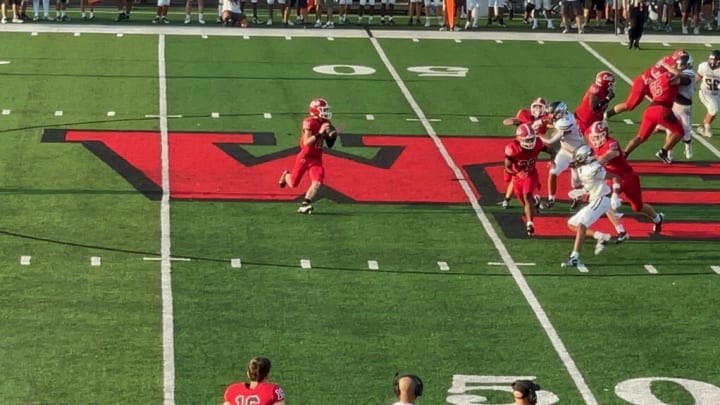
[
  {"x": 525, "y": 117},
  {"x": 662, "y": 91},
  {"x": 264, "y": 393},
  {"x": 584, "y": 112},
  {"x": 618, "y": 165},
  {"x": 313, "y": 125},
  {"x": 523, "y": 160}
]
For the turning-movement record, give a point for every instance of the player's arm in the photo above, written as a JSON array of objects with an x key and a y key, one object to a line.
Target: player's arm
[
  {"x": 511, "y": 121},
  {"x": 611, "y": 154},
  {"x": 331, "y": 135},
  {"x": 508, "y": 167},
  {"x": 556, "y": 135},
  {"x": 598, "y": 104},
  {"x": 309, "y": 138}
]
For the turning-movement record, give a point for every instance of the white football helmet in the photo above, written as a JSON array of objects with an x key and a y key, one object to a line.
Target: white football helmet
[
  {"x": 525, "y": 136},
  {"x": 582, "y": 156},
  {"x": 537, "y": 108},
  {"x": 556, "y": 110}
]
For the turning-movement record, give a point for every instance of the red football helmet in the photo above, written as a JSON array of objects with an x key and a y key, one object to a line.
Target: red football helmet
[
  {"x": 678, "y": 52},
  {"x": 525, "y": 136},
  {"x": 537, "y": 108},
  {"x": 598, "y": 133},
  {"x": 683, "y": 60},
  {"x": 605, "y": 79},
  {"x": 319, "y": 107}
]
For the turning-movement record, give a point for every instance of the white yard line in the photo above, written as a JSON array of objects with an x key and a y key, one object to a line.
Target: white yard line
[
  {"x": 628, "y": 80},
  {"x": 165, "y": 279},
  {"x": 517, "y": 275}
]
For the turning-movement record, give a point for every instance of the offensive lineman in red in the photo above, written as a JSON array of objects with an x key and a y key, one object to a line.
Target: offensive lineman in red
[
  {"x": 316, "y": 129},
  {"x": 595, "y": 101},
  {"x": 258, "y": 391},
  {"x": 639, "y": 89},
  {"x": 520, "y": 158},
  {"x": 662, "y": 90},
  {"x": 625, "y": 179}
]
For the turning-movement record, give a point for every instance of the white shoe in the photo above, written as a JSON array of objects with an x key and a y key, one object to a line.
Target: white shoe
[
  {"x": 696, "y": 30},
  {"x": 708, "y": 27},
  {"x": 269, "y": 22},
  {"x": 201, "y": 21},
  {"x": 17, "y": 21},
  {"x": 565, "y": 31},
  {"x": 329, "y": 24},
  {"x": 535, "y": 25},
  {"x": 706, "y": 132},
  {"x": 600, "y": 245},
  {"x": 571, "y": 262},
  {"x": 550, "y": 26},
  {"x": 187, "y": 19},
  {"x": 427, "y": 24},
  {"x": 318, "y": 24},
  {"x": 684, "y": 29},
  {"x": 305, "y": 209},
  {"x": 688, "y": 151},
  {"x": 467, "y": 25}
]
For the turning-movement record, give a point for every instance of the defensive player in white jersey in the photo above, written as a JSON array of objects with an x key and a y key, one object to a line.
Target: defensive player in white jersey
[
  {"x": 709, "y": 76},
  {"x": 682, "y": 106},
  {"x": 592, "y": 177},
  {"x": 567, "y": 133}
]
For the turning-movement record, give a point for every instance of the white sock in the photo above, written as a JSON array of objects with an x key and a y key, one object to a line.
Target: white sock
[
  {"x": 551, "y": 197},
  {"x": 575, "y": 254},
  {"x": 620, "y": 228}
]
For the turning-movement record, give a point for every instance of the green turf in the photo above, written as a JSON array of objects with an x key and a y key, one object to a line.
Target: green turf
[{"x": 339, "y": 331}]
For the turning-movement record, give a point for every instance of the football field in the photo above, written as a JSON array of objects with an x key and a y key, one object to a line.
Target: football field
[{"x": 147, "y": 252}]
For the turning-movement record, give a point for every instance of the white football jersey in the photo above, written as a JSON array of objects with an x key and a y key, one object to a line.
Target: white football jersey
[
  {"x": 566, "y": 130},
  {"x": 592, "y": 176},
  {"x": 710, "y": 82},
  {"x": 687, "y": 89}
]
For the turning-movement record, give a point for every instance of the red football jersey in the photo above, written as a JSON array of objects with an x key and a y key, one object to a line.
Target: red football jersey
[
  {"x": 618, "y": 165},
  {"x": 662, "y": 91},
  {"x": 525, "y": 117},
  {"x": 264, "y": 393},
  {"x": 584, "y": 113},
  {"x": 523, "y": 160},
  {"x": 313, "y": 125}
]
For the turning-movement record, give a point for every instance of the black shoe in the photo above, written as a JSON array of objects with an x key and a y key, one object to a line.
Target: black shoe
[
  {"x": 657, "y": 228},
  {"x": 663, "y": 155},
  {"x": 574, "y": 204},
  {"x": 621, "y": 237}
]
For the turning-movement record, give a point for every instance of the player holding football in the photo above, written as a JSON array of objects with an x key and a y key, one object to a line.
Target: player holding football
[
  {"x": 595, "y": 101},
  {"x": 258, "y": 391},
  {"x": 709, "y": 76},
  {"x": 592, "y": 176},
  {"x": 316, "y": 130},
  {"x": 534, "y": 118},
  {"x": 520, "y": 158},
  {"x": 625, "y": 179}
]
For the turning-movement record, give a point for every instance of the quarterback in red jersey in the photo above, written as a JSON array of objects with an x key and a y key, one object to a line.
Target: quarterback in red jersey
[
  {"x": 639, "y": 89},
  {"x": 258, "y": 391},
  {"x": 520, "y": 158},
  {"x": 316, "y": 130},
  {"x": 625, "y": 179},
  {"x": 533, "y": 117},
  {"x": 663, "y": 91},
  {"x": 595, "y": 101}
]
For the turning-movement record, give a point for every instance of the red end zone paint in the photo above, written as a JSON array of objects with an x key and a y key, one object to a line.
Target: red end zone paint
[{"x": 404, "y": 169}]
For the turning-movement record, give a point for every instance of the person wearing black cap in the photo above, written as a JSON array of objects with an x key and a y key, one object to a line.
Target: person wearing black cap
[{"x": 525, "y": 392}]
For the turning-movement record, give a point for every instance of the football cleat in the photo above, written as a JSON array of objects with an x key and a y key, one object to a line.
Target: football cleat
[
  {"x": 504, "y": 203},
  {"x": 621, "y": 237},
  {"x": 574, "y": 203},
  {"x": 688, "y": 151},
  {"x": 530, "y": 229},
  {"x": 305, "y": 209},
  {"x": 657, "y": 227},
  {"x": 600, "y": 245},
  {"x": 663, "y": 155},
  {"x": 550, "y": 203},
  {"x": 571, "y": 262},
  {"x": 282, "y": 182},
  {"x": 706, "y": 132}
]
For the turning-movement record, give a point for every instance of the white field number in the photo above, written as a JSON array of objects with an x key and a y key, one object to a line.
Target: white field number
[
  {"x": 423, "y": 71},
  {"x": 636, "y": 391}
]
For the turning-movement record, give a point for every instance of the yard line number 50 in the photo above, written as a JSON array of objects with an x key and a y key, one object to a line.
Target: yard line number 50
[
  {"x": 423, "y": 71},
  {"x": 468, "y": 390}
]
